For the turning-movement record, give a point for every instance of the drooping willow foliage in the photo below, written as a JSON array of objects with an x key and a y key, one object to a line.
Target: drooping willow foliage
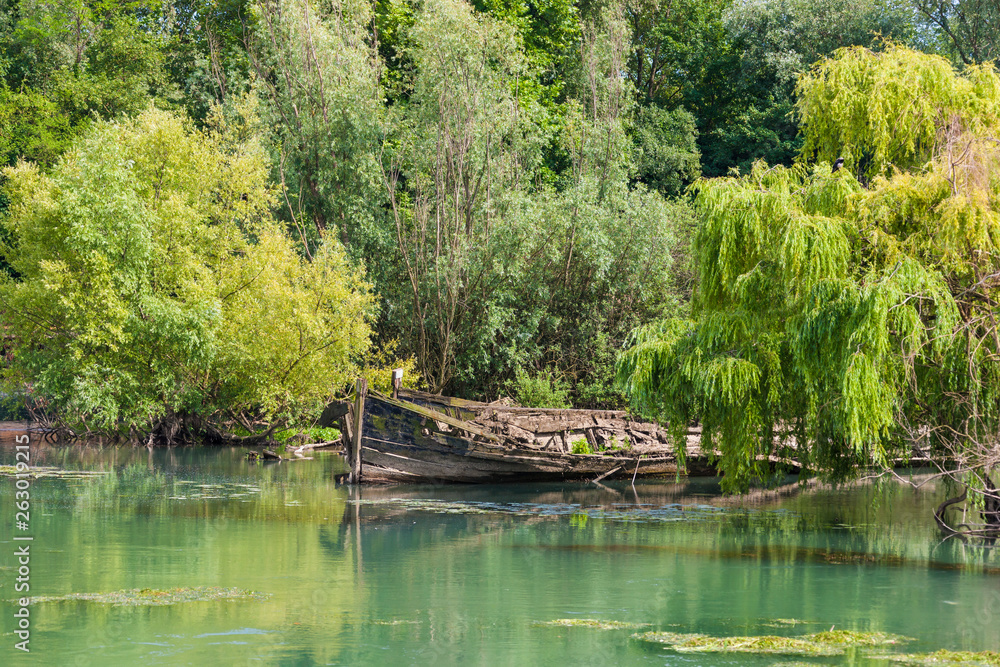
[
  {"x": 888, "y": 109},
  {"x": 837, "y": 324}
]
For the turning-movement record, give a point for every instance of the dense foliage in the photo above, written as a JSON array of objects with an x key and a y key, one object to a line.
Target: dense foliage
[
  {"x": 153, "y": 292},
  {"x": 844, "y": 318},
  {"x": 511, "y": 177}
]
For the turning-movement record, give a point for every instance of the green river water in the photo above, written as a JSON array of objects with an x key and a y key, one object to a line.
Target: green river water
[{"x": 467, "y": 575}]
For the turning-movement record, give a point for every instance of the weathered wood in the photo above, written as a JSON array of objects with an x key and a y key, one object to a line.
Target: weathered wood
[
  {"x": 361, "y": 390},
  {"x": 610, "y": 472},
  {"x": 397, "y": 381},
  {"x": 405, "y": 442},
  {"x": 440, "y": 417}
]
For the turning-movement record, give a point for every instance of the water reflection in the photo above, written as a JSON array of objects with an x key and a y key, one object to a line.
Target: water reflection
[{"x": 464, "y": 575}]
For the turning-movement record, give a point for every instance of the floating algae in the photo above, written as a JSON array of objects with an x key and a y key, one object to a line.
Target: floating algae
[
  {"x": 785, "y": 622},
  {"x": 636, "y": 514},
  {"x": 947, "y": 658},
  {"x": 148, "y": 597},
  {"x": 591, "y": 623},
  {"x": 37, "y": 472},
  {"x": 221, "y": 491},
  {"x": 395, "y": 622},
  {"x": 851, "y": 638},
  {"x": 818, "y": 644}
]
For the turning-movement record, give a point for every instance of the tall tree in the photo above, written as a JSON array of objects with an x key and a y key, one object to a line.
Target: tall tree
[
  {"x": 455, "y": 149},
  {"x": 840, "y": 325},
  {"x": 320, "y": 75},
  {"x": 153, "y": 294},
  {"x": 971, "y": 27}
]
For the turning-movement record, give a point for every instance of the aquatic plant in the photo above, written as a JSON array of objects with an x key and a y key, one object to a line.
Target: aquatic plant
[
  {"x": 591, "y": 623},
  {"x": 784, "y": 622},
  {"x": 832, "y": 642},
  {"x": 671, "y": 512},
  {"x": 395, "y": 621},
  {"x": 947, "y": 658},
  {"x": 35, "y": 472},
  {"x": 148, "y": 597}
]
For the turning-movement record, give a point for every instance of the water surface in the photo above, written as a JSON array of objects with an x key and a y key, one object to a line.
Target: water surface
[{"x": 466, "y": 575}]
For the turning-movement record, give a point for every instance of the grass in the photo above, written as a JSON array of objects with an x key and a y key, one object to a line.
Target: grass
[{"x": 148, "y": 597}]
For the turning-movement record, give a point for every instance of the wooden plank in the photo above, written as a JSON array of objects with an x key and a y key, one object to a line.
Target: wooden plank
[
  {"x": 437, "y": 416},
  {"x": 610, "y": 472},
  {"x": 361, "y": 389}
]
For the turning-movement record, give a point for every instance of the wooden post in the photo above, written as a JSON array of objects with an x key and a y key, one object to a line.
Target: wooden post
[
  {"x": 359, "y": 412},
  {"x": 397, "y": 381}
]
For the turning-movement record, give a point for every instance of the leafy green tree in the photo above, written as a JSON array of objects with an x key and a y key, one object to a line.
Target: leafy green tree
[
  {"x": 454, "y": 153},
  {"x": 122, "y": 71},
  {"x": 67, "y": 64},
  {"x": 971, "y": 28},
  {"x": 844, "y": 326},
  {"x": 770, "y": 43},
  {"x": 153, "y": 294},
  {"x": 320, "y": 77},
  {"x": 920, "y": 96},
  {"x": 32, "y": 127},
  {"x": 667, "y": 156},
  {"x": 205, "y": 49},
  {"x": 505, "y": 272}
]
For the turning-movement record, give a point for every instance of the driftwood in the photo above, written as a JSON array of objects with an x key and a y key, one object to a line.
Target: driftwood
[
  {"x": 990, "y": 513},
  {"x": 270, "y": 455}
]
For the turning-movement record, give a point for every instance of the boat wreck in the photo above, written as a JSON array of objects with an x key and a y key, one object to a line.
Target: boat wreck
[{"x": 420, "y": 437}]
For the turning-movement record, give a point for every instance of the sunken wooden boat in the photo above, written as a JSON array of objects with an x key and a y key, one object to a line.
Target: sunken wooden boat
[{"x": 421, "y": 437}]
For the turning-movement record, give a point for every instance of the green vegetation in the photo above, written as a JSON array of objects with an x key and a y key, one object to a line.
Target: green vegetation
[
  {"x": 832, "y": 642},
  {"x": 147, "y": 597},
  {"x": 214, "y": 215},
  {"x": 308, "y": 435},
  {"x": 541, "y": 390},
  {"x": 842, "y": 317},
  {"x": 151, "y": 290},
  {"x": 947, "y": 658},
  {"x": 592, "y": 623},
  {"x": 37, "y": 472},
  {"x": 581, "y": 446}
]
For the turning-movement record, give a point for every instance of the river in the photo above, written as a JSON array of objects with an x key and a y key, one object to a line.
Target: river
[{"x": 327, "y": 574}]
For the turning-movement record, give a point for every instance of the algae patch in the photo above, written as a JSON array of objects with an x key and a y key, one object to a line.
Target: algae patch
[
  {"x": 37, "y": 472},
  {"x": 945, "y": 658},
  {"x": 148, "y": 597},
  {"x": 636, "y": 514},
  {"x": 817, "y": 644},
  {"x": 394, "y": 622},
  {"x": 851, "y": 638},
  {"x": 785, "y": 622},
  {"x": 591, "y": 623}
]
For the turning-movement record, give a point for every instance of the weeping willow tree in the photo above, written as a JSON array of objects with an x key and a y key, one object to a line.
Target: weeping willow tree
[{"x": 846, "y": 318}]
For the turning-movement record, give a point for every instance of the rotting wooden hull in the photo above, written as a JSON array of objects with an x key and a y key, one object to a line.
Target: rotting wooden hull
[{"x": 437, "y": 439}]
